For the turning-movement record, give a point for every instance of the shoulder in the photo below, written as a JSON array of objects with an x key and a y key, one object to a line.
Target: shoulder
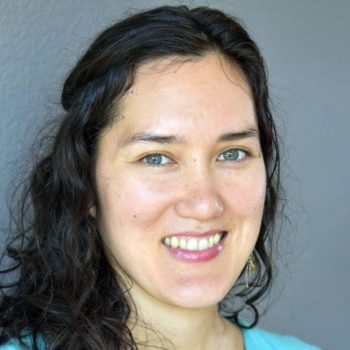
[
  {"x": 256, "y": 339},
  {"x": 14, "y": 344}
]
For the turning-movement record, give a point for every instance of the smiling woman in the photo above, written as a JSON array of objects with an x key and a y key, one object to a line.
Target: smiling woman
[
  {"x": 184, "y": 191},
  {"x": 154, "y": 207}
]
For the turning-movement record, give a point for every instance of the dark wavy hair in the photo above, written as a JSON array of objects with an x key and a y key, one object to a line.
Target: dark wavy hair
[{"x": 66, "y": 288}]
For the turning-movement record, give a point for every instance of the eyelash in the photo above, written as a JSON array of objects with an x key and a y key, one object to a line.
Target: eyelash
[{"x": 241, "y": 156}]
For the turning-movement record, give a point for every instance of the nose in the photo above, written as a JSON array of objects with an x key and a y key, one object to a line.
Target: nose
[{"x": 200, "y": 198}]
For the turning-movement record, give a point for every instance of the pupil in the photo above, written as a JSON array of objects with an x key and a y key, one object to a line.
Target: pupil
[
  {"x": 232, "y": 155},
  {"x": 154, "y": 159}
]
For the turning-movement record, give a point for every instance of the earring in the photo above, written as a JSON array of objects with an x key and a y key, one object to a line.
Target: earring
[{"x": 250, "y": 267}]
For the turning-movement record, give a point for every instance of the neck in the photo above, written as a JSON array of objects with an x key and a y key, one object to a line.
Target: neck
[{"x": 157, "y": 324}]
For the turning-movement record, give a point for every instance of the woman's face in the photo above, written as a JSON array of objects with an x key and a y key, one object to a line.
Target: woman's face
[{"x": 179, "y": 170}]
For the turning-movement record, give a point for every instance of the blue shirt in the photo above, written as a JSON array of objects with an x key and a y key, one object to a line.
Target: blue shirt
[
  {"x": 258, "y": 339},
  {"x": 254, "y": 339}
]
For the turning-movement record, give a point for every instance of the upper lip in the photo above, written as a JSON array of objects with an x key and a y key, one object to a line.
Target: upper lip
[{"x": 196, "y": 233}]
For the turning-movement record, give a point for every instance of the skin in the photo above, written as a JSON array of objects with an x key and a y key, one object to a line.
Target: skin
[{"x": 195, "y": 187}]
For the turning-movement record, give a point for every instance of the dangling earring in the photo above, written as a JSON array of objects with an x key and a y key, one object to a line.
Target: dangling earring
[{"x": 250, "y": 267}]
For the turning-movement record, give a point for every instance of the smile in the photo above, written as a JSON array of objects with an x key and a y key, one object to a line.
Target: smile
[
  {"x": 193, "y": 243},
  {"x": 195, "y": 247}
]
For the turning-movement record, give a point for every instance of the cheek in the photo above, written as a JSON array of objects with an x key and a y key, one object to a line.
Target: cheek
[
  {"x": 246, "y": 195},
  {"x": 134, "y": 202}
]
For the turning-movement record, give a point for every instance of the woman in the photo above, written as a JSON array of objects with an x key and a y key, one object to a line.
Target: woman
[{"x": 151, "y": 214}]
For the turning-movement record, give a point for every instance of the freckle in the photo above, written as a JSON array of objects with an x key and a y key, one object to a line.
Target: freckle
[{"x": 134, "y": 216}]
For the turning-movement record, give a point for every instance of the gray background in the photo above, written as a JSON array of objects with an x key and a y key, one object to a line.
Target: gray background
[{"x": 306, "y": 46}]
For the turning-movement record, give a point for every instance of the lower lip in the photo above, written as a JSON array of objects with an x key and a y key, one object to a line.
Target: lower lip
[{"x": 196, "y": 255}]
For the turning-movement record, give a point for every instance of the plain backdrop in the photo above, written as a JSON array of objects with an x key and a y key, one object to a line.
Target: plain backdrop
[{"x": 306, "y": 47}]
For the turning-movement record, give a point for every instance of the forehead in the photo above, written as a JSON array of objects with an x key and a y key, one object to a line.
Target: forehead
[{"x": 177, "y": 92}]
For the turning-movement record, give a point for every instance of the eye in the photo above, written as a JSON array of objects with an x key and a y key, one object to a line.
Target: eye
[
  {"x": 156, "y": 159},
  {"x": 233, "y": 155}
]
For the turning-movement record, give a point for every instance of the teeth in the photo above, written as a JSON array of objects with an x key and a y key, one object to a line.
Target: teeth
[
  {"x": 203, "y": 244},
  {"x": 217, "y": 238},
  {"x": 182, "y": 244},
  {"x": 174, "y": 242},
  {"x": 193, "y": 243}
]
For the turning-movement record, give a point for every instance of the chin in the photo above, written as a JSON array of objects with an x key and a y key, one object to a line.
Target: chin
[{"x": 198, "y": 297}]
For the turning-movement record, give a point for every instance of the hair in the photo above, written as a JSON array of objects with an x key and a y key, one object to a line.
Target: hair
[{"x": 66, "y": 288}]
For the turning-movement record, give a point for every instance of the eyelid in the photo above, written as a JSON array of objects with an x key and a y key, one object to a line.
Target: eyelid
[
  {"x": 170, "y": 161},
  {"x": 143, "y": 159},
  {"x": 245, "y": 152}
]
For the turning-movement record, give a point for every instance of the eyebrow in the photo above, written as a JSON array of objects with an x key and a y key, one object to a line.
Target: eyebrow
[{"x": 164, "y": 139}]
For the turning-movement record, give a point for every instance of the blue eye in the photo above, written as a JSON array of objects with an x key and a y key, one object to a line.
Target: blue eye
[
  {"x": 156, "y": 160},
  {"x": 233, "y": 155}
]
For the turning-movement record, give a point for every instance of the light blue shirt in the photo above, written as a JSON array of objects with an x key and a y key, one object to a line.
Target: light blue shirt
[
  {"x": 258, "y": 339},
  {"x": 254, "y": 339}
]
